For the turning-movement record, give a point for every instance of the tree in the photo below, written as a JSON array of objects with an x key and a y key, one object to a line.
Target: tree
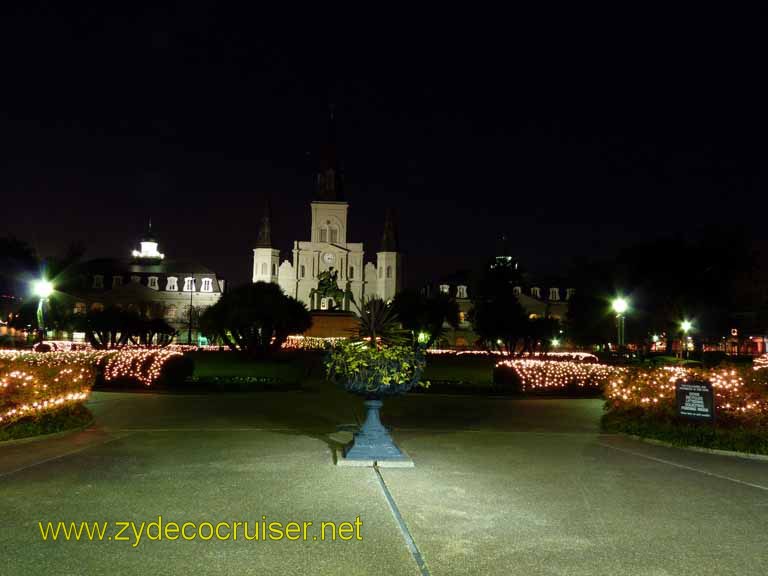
[
  {"x": 110, "y": 328},
  {"x": 426, "y": 314},
  {"x": 379, "y": 324},
  {"x": 255, "y": 318},
  {"x": 499, "y": 322}
]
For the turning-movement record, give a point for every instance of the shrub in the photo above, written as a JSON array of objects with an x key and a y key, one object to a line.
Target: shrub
[
  {"x": 552, "y": 376},
  {"x": 34, "y": 384},
  {"x": 641, "y": 401}
]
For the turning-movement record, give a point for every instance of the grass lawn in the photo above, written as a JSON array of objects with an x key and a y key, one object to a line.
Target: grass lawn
[
  {"x": 477, "y": 370},
  {"x": 289, "y": 368}
]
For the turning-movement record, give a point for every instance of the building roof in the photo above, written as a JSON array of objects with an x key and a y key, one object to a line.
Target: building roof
[{"x": 108, "y": 266}]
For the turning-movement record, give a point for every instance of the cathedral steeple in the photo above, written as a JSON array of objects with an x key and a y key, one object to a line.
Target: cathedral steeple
[
  {"x": 389, "y": 241},
  {"x": 329, "y": 181},
  {"x": 264, "y": 237}
]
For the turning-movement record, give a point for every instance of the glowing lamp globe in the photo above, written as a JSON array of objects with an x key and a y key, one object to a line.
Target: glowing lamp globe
[
  {"x": 686, "y": 325},
  {"x": 620, "y": 305},
  {"x": 42, "y": 288}
]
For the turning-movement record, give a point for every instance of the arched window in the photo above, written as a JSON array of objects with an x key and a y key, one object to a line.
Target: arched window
[
  {"x": 117, "y": 281},
  {"x": 569, "y": 293},
  {"x": 536, "y": 292},
  {"x": 381, "y": 271},
  {"x": 98, "y": 281},
  {"x": 263, "y": 268},
  {"x": 389, "y": 271},
  {"x": 172, "y": 284},
  {"x": 334, "y": 233},
  {"x": 461, "y": 291},
  {"x": 303, "y": 271},
  {"x": 152, "y": 283},
  {"x": 274, "y": 269},
  {"x": 206, "y": 285},
  {"x": 351, "y": 272},
  {"x": 517, "y": 290},
  {"x": 189, "y": 284},
  {"x": 554, "y": 294}
]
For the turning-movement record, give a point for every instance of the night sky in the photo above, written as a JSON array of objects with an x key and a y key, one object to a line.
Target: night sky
[{"x": 574, "y": 144}]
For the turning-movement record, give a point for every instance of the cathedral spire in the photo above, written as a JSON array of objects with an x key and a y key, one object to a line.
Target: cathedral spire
[
  {"x": 264, "y": 238},
  {"x": 389, "y": 237},
  {"x": 329, "y": 183}
]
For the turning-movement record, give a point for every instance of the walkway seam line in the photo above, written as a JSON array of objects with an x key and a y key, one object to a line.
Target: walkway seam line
[
  {"x": 684, "y": 467},
  {"x": 409, "y": 541},
  {"x": 60, "y": 456}
]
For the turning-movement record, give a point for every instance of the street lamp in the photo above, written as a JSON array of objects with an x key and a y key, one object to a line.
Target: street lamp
[
  {"x": 42, "y": 289},
  {"x": 685, "y": 327},
  {"x": 620, "y": 306}
]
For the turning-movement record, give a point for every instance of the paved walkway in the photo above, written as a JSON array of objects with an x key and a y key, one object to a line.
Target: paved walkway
[{"x": 500, "y": 487}]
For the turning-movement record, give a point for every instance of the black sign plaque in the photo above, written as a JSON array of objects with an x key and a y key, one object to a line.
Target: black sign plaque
[{"x": 695, "y": 400}]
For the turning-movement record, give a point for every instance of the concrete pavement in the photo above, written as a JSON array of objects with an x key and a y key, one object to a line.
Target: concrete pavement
[{"x": 501, "y": 486}]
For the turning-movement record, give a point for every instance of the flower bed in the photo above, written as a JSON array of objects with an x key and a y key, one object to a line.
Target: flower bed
[
  {"x": 553, "y": 376},
  {"x": 641, "y": 401}
]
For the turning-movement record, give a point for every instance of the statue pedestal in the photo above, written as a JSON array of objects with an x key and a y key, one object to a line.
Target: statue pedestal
[{"x": 332, "y": 324}]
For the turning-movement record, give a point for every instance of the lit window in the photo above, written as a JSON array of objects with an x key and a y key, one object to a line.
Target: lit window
[
  {"x": 536, "y": 292},
  {"x": 79, "y": 308},
  {"x": 444, "y": 288},
  {"x": 517, "y": 290},
  {"x": 462, "y": 317},
  {"x": 303, "y": 271},
  {"x": 554, "y": 294},
  {"x": 117, "y": 281},
  {"x": 461, "y": 292},
  {"x": 334, "y": 235},
  {"x": 152, "y": 283},
  {"x": 98, "y": 281},
  {"x": 136, "y": 279},
  {"x": 533, "y": 316},
  {"x": 324, "y": 304},
  {"x": 189, "y": 284},
  {"x": 389, "y": 271},
  {"x": 97, "y": 306},
  {"x": 172, "y": 285},
  {"x": 206, "y": 285},
  {"x": 351, "y": 272}
]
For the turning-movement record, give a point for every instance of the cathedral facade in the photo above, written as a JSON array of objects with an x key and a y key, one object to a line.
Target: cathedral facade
[{"x": 327, "y": 271}]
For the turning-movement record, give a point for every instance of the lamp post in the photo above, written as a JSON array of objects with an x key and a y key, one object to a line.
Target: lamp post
[
  {"x": 685, "y": 327},
  {"x": 42, "y": 289},
  {"x": 620, "y": 307}
]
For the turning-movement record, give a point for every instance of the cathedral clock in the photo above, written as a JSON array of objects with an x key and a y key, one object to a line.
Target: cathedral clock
[{"x": 329, "y": 258}]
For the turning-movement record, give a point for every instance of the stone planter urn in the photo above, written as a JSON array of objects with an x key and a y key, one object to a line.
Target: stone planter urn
[{"x": 375, "y": 374}]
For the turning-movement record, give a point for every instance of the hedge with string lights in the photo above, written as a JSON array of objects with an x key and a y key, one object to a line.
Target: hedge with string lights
[{"x": 641, "y": 401}]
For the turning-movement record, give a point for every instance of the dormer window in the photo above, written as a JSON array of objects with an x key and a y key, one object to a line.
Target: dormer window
[
  {"x": 444, "y": 288},
  {"x": 172, "y": 284},
  {"x": 206, "y": 285},
  {"x": 117, "y": 281},
  {"x": 152, "y": 283},
  {"x": 517, "y": 290},
  {"x": 536, "y": 292},
  {"x": 136, "y": 279},
  {"x": 461, "y": 291},
  {"x": 569, "y": 292},
  {"x": 189, "y": 284},
  {"x": 98, "y": 281},
  {"x": 554, "y": 294}
]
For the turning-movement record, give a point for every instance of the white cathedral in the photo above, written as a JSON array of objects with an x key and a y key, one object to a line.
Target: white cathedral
[{"x": 328, "y": 258}]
